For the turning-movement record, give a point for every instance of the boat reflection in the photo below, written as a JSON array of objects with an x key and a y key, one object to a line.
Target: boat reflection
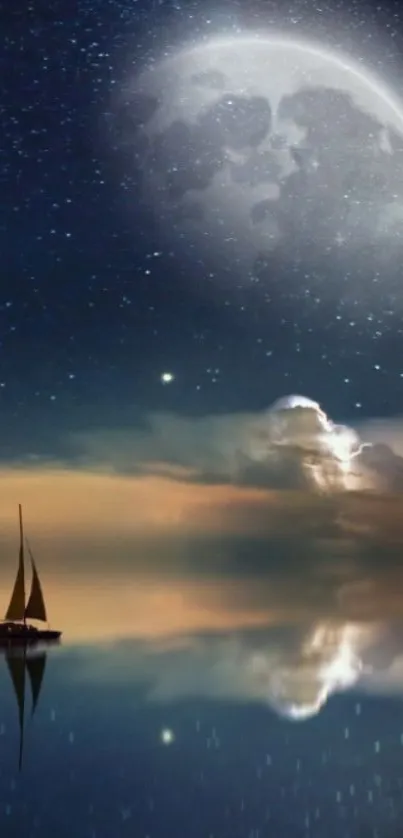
[{"x": 24, "y": 662}]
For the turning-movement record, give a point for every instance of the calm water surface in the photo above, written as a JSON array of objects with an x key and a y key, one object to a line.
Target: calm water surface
[
  {"x": 255, "y": 693},
  {"x": 146, "y": 739}
]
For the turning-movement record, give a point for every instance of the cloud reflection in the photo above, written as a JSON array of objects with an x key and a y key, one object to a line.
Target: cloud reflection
[{"x": 293, "y": 670}]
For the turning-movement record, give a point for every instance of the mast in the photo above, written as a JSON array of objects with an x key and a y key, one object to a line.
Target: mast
[{"x": 22, "y": 558}]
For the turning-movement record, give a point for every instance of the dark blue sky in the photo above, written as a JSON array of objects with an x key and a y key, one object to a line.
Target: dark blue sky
[{"x": 90, "y": 317}]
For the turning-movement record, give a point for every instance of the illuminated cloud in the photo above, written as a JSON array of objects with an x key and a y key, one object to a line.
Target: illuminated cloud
[
  {"x": 298, "y": 429},
  {"x": 291, "y": 445}
]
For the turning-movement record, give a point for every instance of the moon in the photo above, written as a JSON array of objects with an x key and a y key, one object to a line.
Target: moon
[{"x": 250, "y": 146}]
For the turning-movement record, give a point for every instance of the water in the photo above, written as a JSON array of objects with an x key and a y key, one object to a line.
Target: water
[
  {"x": 247, "y": 689},
  {"x": 109, "y": 753}
]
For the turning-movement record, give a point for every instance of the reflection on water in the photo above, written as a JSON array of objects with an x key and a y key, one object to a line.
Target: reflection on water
[
  {"x": 291, "y": 669},
  {"x": 25, "y": 661},
  {"x": 179, "y": 736},
  {"x": 254, "y": 687}
]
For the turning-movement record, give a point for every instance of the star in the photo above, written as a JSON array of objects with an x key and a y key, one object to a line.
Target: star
[
  {"x": 167, "y": 377},
  {"x": 167, "y": 736}
]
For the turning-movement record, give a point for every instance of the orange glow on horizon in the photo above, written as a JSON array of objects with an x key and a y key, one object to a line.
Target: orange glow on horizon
[
  {"x": 121, "y": 555},
  {"x": 67, "y": 500}
]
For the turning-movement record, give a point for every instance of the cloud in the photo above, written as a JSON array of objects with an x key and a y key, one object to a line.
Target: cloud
[
  {"x": 210, "y": 445},
  {"x": 291, "y": 445},
  {"x": 226, "y": 475},
  {"x": 383, "y": 432}
]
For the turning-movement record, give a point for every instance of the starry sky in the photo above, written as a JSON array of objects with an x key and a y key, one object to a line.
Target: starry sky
[{"x": 95, "y": 306}]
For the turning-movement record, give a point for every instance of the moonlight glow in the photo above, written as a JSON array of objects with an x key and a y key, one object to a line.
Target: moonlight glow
[
  {"x": 285, "y": 46},
  {"x": 327, "y": 450}
]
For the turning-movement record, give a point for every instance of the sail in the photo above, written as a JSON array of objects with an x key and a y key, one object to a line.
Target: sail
[
  {"x": 36, "y": 670},
  {"x": 35, "y": 609},
  {"x": 16, "y": 666},
  {"x": 16, "y": 608}
]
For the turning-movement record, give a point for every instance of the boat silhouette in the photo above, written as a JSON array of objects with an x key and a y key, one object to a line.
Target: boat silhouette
[
  {"x": 14, "y": 629},
  {"x": 20, "y": 664}
]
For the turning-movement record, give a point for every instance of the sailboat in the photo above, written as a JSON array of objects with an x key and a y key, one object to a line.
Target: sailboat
[{"x": 15, "y": 629}]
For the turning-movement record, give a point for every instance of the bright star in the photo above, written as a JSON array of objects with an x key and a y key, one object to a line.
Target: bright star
[
  {"x": 167, "y": 377},
  {"x": 167, "y": 736}
]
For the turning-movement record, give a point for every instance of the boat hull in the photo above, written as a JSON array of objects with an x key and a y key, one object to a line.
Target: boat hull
[{"x": 15, "y": 634}]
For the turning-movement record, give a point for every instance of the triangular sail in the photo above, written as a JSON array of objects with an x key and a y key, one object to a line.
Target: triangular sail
[
  {"x": 16, "y": 666},
  {"x": 16, "y": 608},
  {"x": 35, "y": 609},
  {"x": 36, "y": 670}
]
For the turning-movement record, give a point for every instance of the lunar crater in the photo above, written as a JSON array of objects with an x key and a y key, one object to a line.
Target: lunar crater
[
  {"x": 237, "y": 121},
  {"x": 186, "y": 158},
  {"x": 261, "y": 211},
  {"x": 259, "y": 167}
]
